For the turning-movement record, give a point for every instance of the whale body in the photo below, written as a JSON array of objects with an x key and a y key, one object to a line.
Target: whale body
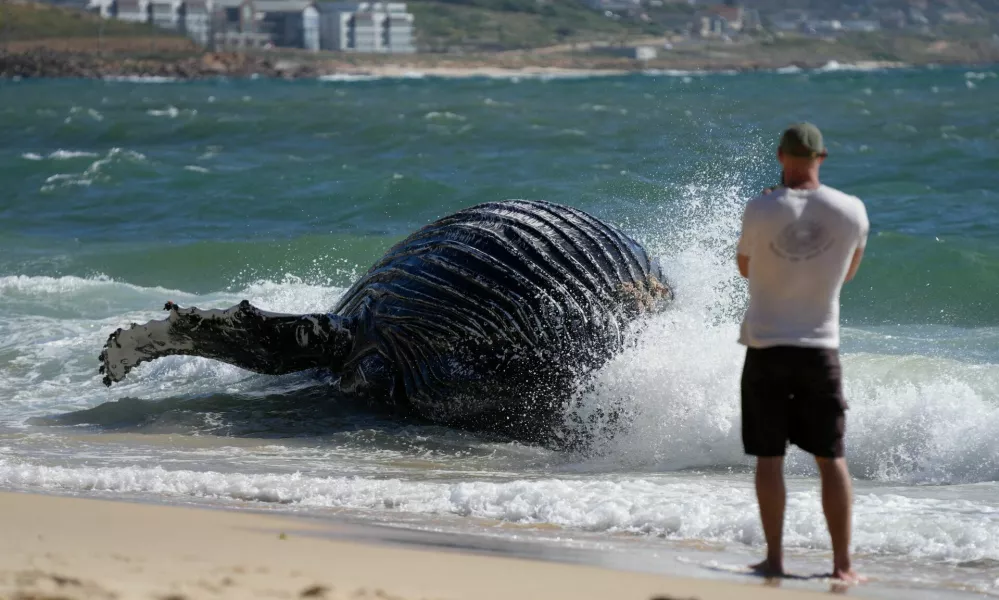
[{"x": 484, "y": 320}]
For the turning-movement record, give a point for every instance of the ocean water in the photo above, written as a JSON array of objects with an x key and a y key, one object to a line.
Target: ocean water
[{"x": 120, "y": 195}]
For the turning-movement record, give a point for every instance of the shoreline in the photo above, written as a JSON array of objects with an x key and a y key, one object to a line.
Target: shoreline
[
  {"x": 85, "y": 548},
  {"x": 48, "y": 64},
  {"x": 400, "y": 72}
]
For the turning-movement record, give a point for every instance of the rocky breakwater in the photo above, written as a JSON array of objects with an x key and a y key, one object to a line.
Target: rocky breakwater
[{"x": 46, "y": 63}]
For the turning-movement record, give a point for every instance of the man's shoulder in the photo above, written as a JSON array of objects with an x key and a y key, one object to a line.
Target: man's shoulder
[
  {"x": 839, "y": 195},
  {"x": 848, "y": 203},
  {"x": 767, "y": 196}
]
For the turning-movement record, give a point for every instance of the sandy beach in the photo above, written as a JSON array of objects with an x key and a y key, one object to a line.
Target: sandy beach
[
  {"x": 458, "y": 72},
  {"x": 484, "y": 71},
  {"x": 72, "y": 548}
]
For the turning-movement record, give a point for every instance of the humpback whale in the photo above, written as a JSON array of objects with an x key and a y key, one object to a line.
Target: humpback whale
[{"x": 485, "y": 319}]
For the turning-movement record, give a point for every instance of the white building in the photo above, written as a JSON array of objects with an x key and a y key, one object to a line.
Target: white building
[
  {"x": 345, "y": 26},
  {"x": 615, "y": 5},
  {"x": 168, "y": 14},
  {"x": 198, "y": 20},
  {"x": 72, "y": 4},
  {"x": 365, "y": 27},
  {"x": 368, "y": 26},
  {"x": 133, "y": 11},
  {"x": 223, "y": 24},
  {"x": 399, "y": 31},
  {"x": 282, "y": 20},
  {"x": 863, "y": 25},
  {"x": 310, "y": 28}
]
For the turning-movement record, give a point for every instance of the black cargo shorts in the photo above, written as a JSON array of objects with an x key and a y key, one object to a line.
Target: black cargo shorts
[{"x": 793, "y": 395}]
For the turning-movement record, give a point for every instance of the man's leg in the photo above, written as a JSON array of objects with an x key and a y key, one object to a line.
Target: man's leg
[
  {"x": 764, "y": 435},
  {"x": 837, "y": 492},
  {"x": 771, "y": 494}
]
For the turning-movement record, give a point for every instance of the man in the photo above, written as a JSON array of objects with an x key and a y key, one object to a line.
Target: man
[{"x": 800, "y": 242}]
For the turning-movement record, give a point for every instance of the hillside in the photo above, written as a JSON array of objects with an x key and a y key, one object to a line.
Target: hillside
[
  {"x": 41, "y": 40},
  {"x": 485, "y": 25},
  {"x": 33, "y": 21},
  {"x": 442, "y": 25}
]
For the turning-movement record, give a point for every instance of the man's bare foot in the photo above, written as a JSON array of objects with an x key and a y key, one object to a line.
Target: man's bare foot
[
  {"x": 848, "y": 576},
  {"x": 768, "y": 568}
]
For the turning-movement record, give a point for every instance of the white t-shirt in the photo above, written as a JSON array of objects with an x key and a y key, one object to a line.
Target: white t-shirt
[{"x": 800, "y": 244}]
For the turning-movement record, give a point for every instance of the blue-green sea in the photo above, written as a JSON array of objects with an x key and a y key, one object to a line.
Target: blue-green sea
[{"x": 116, "y": 196}]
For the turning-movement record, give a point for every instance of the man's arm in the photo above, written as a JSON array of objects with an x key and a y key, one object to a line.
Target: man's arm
[
  {"x": 858, "y": 255},
  {"x": 743, "y": 248}
]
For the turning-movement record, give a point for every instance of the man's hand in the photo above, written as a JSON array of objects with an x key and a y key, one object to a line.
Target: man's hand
[{"x": 743, "y": 261}]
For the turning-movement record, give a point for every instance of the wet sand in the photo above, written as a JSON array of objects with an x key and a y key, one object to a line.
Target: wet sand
[{"x": 73, "y": 548}]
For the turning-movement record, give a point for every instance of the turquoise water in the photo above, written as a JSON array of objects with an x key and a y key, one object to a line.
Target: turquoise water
[{"x": 117, "y": 196}]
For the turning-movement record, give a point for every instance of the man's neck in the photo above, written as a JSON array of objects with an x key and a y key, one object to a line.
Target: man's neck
[{"x": 807, "y": 181}]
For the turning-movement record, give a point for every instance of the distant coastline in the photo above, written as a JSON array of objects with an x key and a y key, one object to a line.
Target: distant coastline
[
  {"x": 40, "y": 63},
  {"x": 42, "y": 40},
  {"x": 498, "y": 72}
]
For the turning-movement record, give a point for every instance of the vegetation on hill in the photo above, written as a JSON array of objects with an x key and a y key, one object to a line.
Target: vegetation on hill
[
  {"x": 31, "y": 21},
  {"x": 477, "y": 25},
  {"x": 558, "y": 31}
]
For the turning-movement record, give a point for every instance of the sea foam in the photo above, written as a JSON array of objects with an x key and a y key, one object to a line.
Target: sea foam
[{"x": 721, "y": 510}]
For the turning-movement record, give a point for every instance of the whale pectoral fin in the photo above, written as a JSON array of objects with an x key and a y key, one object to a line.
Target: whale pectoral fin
[{"x": 243, "y": 335}]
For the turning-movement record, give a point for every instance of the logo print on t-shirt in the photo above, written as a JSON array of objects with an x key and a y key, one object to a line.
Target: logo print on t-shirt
[{"x": 802, "y": 240}]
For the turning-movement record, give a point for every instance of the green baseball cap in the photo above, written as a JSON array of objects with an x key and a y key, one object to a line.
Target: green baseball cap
[{"x": 803, "y": 140}]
